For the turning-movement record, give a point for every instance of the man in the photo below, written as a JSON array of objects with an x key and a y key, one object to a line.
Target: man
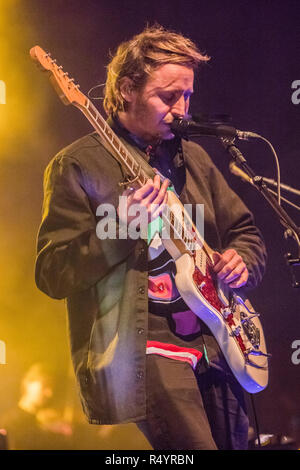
[
  {"x": 37, "y": 423},
  {"x": 121, "y": 296}
]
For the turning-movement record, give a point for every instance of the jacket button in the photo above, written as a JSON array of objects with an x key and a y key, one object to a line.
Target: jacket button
[
  {"x": 140, "y": 375},
  {"x": 142, "y": 290}
]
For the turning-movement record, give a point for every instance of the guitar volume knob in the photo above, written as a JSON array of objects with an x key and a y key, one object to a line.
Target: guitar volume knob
[{"x": 226, "y": 311}]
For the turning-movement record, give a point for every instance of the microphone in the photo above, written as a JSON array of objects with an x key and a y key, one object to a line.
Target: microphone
[
  {"x": 187, "y": 127},
  {"x": 235, "y": 170}
]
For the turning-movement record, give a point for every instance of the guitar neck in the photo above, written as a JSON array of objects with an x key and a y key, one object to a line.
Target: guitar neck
[{"x": 113, "y": 144}]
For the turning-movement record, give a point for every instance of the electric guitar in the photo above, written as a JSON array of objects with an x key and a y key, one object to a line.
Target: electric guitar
[{"x": 229, "y": 315}]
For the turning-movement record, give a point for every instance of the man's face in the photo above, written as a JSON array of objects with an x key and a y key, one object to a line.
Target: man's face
[{"x": 165, "y": 95}]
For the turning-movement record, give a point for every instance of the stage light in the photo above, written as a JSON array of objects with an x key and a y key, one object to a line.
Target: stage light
[{"x": 22, "y": 102}]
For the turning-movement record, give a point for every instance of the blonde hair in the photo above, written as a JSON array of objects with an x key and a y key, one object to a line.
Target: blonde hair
[{"x": 145, "y": 52}]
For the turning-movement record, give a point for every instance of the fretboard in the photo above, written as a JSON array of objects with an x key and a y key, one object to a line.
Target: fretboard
[{"x": 133, "y": 168}]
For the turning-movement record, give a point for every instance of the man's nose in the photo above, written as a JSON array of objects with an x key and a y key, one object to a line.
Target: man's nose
[{"x": 179, "y": 109}]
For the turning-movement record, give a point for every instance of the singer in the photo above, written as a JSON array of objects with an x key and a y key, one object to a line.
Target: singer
[{"x": 139, "y": 353}]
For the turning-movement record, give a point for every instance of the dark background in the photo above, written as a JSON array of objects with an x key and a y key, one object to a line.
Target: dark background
[{"x": 254, "y": 50}]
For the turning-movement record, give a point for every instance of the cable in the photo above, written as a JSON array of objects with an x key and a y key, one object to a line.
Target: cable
[
  {"x": 255, "y": 420},
  {"x": 276, "y": 161},
  {"x": 285, "y": 200}
]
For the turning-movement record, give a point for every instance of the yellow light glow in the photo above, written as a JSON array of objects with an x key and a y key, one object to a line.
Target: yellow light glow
[{"x": 24, "y": 101}]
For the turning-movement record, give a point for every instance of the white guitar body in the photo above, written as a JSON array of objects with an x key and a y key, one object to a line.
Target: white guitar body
[
  {"x": 229, "y": 316},
  {"x": 250, "y": 366}
]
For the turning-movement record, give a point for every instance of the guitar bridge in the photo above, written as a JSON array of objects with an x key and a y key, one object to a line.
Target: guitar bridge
[{"x": 251, "y": 331}]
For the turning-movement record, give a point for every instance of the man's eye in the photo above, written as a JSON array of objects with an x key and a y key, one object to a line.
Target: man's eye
[{"x": 168, "y": 97}]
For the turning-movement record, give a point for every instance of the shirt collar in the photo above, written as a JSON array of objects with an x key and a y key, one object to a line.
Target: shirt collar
[{"x": 169, "y": 147}]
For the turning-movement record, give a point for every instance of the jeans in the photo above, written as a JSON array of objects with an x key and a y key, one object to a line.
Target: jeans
[{"x": 200, "y": 410}]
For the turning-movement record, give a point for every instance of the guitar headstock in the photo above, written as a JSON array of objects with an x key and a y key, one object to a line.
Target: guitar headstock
[{"x": 65, "y": 87}]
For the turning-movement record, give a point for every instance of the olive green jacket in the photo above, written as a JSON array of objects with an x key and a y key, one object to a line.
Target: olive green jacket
[{"x": 105, "y": 282}]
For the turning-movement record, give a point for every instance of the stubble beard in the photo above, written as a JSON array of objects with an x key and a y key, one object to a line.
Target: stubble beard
[{"x": 152, "y": 138}]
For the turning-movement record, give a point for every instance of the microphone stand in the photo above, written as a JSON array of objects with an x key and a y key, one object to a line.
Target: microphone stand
[
  {"x": 285, "y": 187},
  {"x": 291, "y": 229}
]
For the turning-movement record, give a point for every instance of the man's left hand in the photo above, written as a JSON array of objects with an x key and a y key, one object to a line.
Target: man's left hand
[{"x": 230, "y": 268}]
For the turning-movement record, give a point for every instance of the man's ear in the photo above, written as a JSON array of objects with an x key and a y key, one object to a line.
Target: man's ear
[{"x": 126, "y": 88}]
